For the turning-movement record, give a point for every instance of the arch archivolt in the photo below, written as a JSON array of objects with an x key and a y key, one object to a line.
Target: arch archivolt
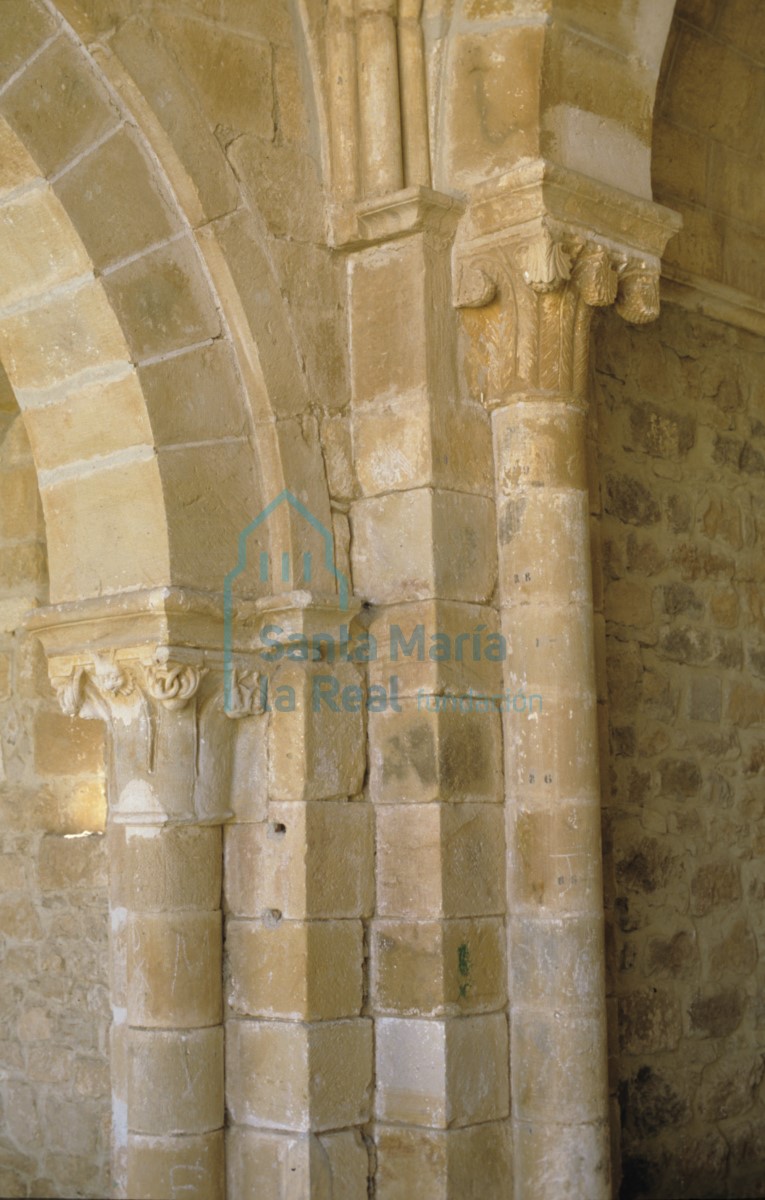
[{"x": 152, "y": 410}]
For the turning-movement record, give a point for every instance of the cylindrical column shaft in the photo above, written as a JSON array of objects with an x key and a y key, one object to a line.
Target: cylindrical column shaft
[
  {"x": 344, "y": 122},
  {"x": 558, "y": 1022},
  {"x": 168, "y": 1033},
  {"x": 379, "y": 97},
  {"x": 414, "y": 104}
]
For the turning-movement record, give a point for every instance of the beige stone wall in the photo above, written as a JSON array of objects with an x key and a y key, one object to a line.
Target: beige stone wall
[
  {"x": 708, "y": 141},
  {"x": 682, "y": 460},
  {"x": 54, "y": 987}
]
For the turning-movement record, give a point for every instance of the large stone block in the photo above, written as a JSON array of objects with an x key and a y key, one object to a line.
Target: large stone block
[
  {"x": 106, "y": 531},
  {"x": 115, "y": 222},
  {"x": 97, "y": 419},
  {"x": 158, "y": 1167},
  {"x": 422, "y": 544},
  {"x": 59, "y": 108},
  {"x": 420, "y": 755},
  {"x": 163, "y": 300},
  {"x": 26, "y": 25},
  {"x": 438, "y": 967},
  {"x": 160, "y": 870},
  {"x": 69, "y": 332},
  {"x": 440, "y": 860},
  {"x": 310, "y": 971},
  {"x": 434, "y": 647},
  {"x": 455, "y": 1164},
  {"x": 315, "y": 744},
  {"x": 285, "y": 1075},
  {"x": 442, "y": 1073},
  {"x": 306, "y": 861},
  {"x": 68, "y": 745},
  {"x": 175, "y": 1081},
  {"x": 274, "y": 1166},
  {"x": 39, "y": 246},
  {"x": 174, "y": 969},
  {"x": 195, "y": 397}
]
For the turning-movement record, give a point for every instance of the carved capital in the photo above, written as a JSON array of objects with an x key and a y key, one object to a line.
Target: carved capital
[
  {"x": 171, "y": 740},
  {"x": 527, "y": 305}
]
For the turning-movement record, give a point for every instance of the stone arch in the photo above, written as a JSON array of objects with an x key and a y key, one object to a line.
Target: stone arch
[
  {"x": 565, "y": 81},
  {"x": 143, "y": 376},
  {"x": 706, "y": 154}
]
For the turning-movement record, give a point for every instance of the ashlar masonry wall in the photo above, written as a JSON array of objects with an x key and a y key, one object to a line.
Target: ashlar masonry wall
[{"x": 681, "y": 411}]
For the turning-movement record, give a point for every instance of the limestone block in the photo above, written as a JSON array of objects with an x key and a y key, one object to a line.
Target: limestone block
[
  {"x": 313, "y": 749},
  {"x": 64, "y": 863},
  {"x": 539, "y": 444},
  {"x": 163, "y": 301},
  {"x": 40, "y": 248},
  {"x": 175, "y": 1081},
  {"x": 438, "y": 860},
  {"x": 411, "y": 441},
  {"x": 230, "y": 73},
  {"x": 388, "y": 343},
  {"x": 194, "y": 397},
  {"x": 174, "y": 969},
  {"x": 68, "y": 745},
  {"x": 25, "y": 25},
  {"x": 97, "y": 419},
  {"x": 454, "y": 1164},
  {"x": 68, "y": 333},
  {"x": 308, "y": 860},
  {"x": 286, "y": 1166},
  {"x": 556, "y": 862},
  {"x": 208, "y": 492},
  {"x": 650, "y": 1020},
  {"x": 429, "y": 648},
  {"x": 16, "y": 165},
  {"x": 421, "y": 544},
  {"x": 559, "y": 1051},
  {"x": 438, "y": 967},
  {"x": 162, "y": 870},
  {"x": 116, "y": 222},
  {"x": 284, "y": 1075},
  {"x": 172, "y": 104},
  {"x": 551, "y": 755},
  {"x": 59, "y": 109},
  {"x": 442, "y": 1073},
  {"x": 556, "y": 1158},
  {"x": 308, "y": 970},
  {"x": 172, "y": 1168},
  {"x": 419, "y": 755},
  {"x": 552, "y": 648},
  {"x": 544, "y": 547},
  {"x": 126, "y": 542},
  {"x": 557, "y": 962},
  {"x": 713, "y": 93},
  {"x": 493, "y": 113},
  {"x": 274, "y": 173}
]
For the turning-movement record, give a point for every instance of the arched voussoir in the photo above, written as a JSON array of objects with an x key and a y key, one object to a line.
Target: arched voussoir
[{"x": 149, "y": 441}]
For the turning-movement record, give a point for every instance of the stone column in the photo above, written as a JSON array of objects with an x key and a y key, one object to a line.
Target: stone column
[
  {"x": 424, "y": 560},
  {"x": 169, "y": 763},
  {"x": 530, "y": 273},
  {"x": 299, "y": 872}
]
